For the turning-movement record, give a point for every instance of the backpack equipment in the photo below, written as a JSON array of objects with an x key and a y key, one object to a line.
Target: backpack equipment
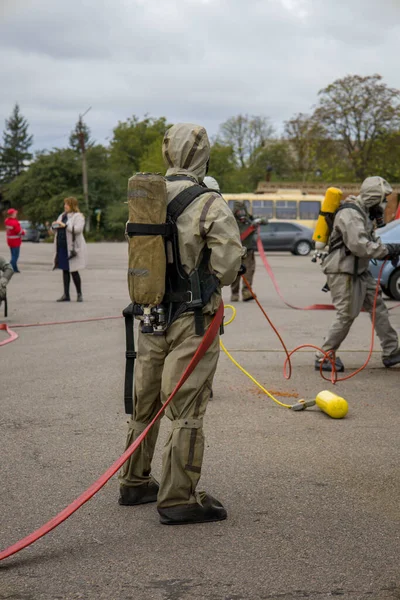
[
  {"x": 159, "y": 287},
  {"x": 147, "y": 202},
  {"x": 326, "y": 217},
  {"x": 324, "y": 227}
]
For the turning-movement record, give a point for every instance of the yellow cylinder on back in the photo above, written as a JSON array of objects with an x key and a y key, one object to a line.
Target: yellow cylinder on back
[
  {"x": 331, "y": 404},
  {"x": 330, "y": 204}
]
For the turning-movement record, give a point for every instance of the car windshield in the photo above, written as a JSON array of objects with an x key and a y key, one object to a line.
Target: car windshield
[{"x": 26, "y": 224}]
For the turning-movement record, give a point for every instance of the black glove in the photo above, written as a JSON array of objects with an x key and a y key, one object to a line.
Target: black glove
[
  {"x": 243, "y": 269},
  {"x": 393, "y": 250}
]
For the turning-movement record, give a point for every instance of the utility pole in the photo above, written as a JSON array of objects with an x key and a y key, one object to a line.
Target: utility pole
[{"x": 81, "y": 137}]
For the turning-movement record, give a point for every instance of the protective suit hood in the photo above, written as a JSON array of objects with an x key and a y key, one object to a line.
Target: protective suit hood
[
  {"x": 373, "y": 191},
  {"x": 186, "y": 147}
]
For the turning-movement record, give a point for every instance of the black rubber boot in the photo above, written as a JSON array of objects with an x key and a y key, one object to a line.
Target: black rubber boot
[
  {"x": 392, "y": 360},
  {"x": 327, "y": 366},
  {"x": 64, "y": 298},
  {"x": 141, "y": 494},
  {"x": 185, "y": 514}
]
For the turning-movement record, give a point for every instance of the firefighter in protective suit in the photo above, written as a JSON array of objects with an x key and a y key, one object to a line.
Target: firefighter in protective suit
[
  {"x": 352, "y": 244},
  {"x": 207, "y": 223},
  {"x": 6, "y": 272},
  {"x": 247, "y": 228}
]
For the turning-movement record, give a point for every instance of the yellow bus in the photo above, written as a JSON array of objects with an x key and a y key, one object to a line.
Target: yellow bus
[{"x": 281, "y": 205}]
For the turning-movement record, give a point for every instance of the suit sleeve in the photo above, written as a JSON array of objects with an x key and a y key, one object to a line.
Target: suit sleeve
[
  {"x": 356, "y": 238},
  {"x": 6, "y": 270},
  {"x": 219, "y": 229}
]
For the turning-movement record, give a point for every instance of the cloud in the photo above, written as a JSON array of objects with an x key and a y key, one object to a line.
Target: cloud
[{"x": 195, "y": 60}]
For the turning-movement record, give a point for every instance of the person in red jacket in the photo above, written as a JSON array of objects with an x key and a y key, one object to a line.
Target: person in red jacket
[{"x": 14, "y": 234}]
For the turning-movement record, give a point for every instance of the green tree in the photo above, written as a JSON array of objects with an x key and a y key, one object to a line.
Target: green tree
[
  {"x": 356, "y": 112},
  {"x": 57, "y": 174},
  {"x": 116, "y": 216},
  {"x": 132, "y": 142},
  {"x": 75, "y": 136},
  {"x": 304, "y": 136},
  {"x": 385, "y": 160},
  {"x": 245, "y": 134},
  {"x": 222, "y": 164},
  {"x": 275, "y": 158},
  {"x": 14, "y": 152},
  {"x": 152, "y": 160}
]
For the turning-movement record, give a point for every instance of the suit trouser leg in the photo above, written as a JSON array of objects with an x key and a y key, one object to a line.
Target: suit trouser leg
[
  {"x": 384, "y": 330},
  {"x": 250, "y": 264},
  {"x": 149, "y": 365},
  {"x": 184, "y": 448},
  {"x": 341, "y": 287},
  {"x": 235, "y": 287}
]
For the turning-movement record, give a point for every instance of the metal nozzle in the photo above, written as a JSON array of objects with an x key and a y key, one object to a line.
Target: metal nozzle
[
  {"x": 303, "y": 404},
  {"x": 147, "y": 325}
]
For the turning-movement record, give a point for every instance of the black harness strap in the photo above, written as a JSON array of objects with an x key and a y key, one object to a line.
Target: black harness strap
[
  {"x": 339, "y": 242},
  {"x": 198, "y": 297},
  {"x": 164, "y": 229},
  {"x": 5, "y": 305},
  {"x": 130, "y": 355},
  {"x": 176, "y": 207}
]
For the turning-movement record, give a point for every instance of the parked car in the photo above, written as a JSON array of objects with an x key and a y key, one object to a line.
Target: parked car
[
  {"x": 390, "y": 280},
  {"x": 281, "y": 235},
  {"x": 33, "y": 233}
]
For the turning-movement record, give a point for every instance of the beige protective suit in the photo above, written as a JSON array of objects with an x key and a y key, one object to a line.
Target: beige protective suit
[
  {"x": 6, "y": 272},
  {"x": 244, "y": 221},
  {"x": 207, "y": 222},
  {"x": 351, "y": 284}
]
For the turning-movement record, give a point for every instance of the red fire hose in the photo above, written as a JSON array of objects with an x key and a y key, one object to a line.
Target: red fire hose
[
  {"x": 270, "y": 272},
  {"x": 97, "y": 485},
  {"x": 11, "y": 334}
]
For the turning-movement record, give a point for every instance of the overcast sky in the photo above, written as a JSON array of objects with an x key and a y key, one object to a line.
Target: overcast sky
[{"x": 201, "y": 61}]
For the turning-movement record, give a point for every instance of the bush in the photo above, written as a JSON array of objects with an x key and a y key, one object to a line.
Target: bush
[
  {"x": 94, "y": 236},
  {"x": 115, "y": 218}
]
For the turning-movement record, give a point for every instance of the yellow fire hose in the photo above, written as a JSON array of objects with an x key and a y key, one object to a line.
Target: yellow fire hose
[{"x": 333, "y": 405}]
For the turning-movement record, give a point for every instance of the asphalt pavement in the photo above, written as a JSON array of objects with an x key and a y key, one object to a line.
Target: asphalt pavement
[{"x": 313, "y": 502}]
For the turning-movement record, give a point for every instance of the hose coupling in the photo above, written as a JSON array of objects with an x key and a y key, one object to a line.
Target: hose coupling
[{"x": 303, "y": 404}]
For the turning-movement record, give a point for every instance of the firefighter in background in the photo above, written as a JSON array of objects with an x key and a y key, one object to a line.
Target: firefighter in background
[
  {"x": 6, "y": 272},
  {"x": 14, "y": 233},
  {"x": 247, "y": 227},
  {"x": 352, "y": 244},
  {"x": 206, "y": 225}
]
